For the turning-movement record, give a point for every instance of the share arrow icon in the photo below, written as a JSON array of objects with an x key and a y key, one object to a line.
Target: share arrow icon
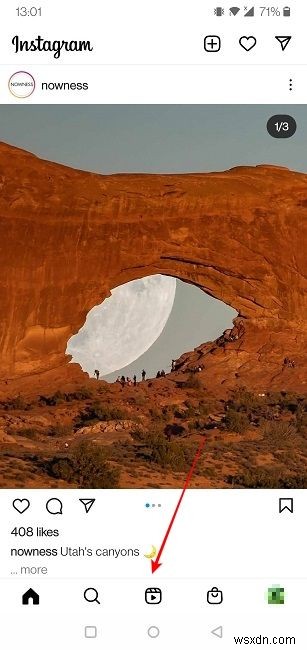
[
  {"x": 88, "y": 503},
  {"x": 284, "y": 41}
]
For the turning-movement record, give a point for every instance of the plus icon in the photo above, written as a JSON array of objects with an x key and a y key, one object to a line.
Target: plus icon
[{"x": 212, "y": 43}]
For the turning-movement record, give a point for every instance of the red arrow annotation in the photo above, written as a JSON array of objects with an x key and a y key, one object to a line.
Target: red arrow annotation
[{"x": 155, "y": 564}]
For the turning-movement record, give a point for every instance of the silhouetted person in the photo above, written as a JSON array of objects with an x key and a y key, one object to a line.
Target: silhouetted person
[
  {"x": 134, "y": 380},
  {"x": 158, "y": 375},
  {"x": 143, "y": 375},
  {"x": 173, "y": 365},
  {"x": 289, "y": 363},
  {"x": 227, "y": 335},
  {"x": 123, "y": 381},
  {"x": 97, "y": 373},
  {"x": 162, "y": 373}
]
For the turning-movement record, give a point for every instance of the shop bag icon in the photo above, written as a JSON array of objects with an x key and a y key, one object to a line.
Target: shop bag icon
[{"x": 214, "y": 596}]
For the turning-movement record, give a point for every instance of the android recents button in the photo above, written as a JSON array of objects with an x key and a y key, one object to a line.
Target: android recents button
[{"x": 90, "y": 632}]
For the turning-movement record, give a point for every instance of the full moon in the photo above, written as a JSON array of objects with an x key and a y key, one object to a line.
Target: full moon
[{"x": 124, "y": 326}]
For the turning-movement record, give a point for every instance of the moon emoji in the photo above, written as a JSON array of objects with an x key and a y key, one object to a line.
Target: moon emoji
[{"x": 152, "y": 554}]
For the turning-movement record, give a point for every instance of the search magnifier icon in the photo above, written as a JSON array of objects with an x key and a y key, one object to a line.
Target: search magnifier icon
[{"x": 91, "y": 595}]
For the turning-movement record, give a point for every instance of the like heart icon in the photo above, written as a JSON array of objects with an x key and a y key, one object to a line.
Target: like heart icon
[
  {"x": 21, "y": 505},
  {"x": 247, "y": 42}
]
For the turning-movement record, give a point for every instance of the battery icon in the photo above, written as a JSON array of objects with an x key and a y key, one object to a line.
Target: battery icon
[
  {"x": 219, "y": 11},
  {"x": 286, "y": 11}
]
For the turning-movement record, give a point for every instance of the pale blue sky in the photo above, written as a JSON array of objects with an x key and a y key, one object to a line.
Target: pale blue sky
[
  {"x": 160, "y": 139},
  {"x": 154, "y": 138}
]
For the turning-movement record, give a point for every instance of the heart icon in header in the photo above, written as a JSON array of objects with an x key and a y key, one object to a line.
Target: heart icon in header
[{"x": 247, "y": 42}]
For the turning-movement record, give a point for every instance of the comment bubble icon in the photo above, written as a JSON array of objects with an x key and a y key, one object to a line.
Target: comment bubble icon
[{"x": 54, "y": 506}]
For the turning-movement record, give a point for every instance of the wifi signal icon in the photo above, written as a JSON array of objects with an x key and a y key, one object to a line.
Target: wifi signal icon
[{"x": 234, "y": 11}]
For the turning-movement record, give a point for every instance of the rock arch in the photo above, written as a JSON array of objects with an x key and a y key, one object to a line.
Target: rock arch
[{"x": 68, "y": 237}]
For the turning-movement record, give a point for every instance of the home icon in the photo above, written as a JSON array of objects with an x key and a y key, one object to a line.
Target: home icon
[{"x": 29, "y": 596}]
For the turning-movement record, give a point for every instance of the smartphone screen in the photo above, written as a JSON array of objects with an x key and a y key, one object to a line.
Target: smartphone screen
[{"x": 153, "y": 407}]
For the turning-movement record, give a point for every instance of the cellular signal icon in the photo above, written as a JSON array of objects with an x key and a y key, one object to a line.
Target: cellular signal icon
[
  {"x": 249, "y": 12},
  {"x": 234, "y": 11}
]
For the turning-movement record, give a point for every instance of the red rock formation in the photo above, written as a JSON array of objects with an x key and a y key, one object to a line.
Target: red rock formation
[{"x": 67, "y": 237}]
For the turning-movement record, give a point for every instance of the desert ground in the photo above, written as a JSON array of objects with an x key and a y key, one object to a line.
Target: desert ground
[{"x": 106, "y": 436}]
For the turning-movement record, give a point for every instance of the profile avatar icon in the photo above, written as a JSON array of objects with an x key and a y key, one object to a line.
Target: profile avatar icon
[
  {"x": 276, "y": 595},
  {"x": 21, "y": 84}
]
